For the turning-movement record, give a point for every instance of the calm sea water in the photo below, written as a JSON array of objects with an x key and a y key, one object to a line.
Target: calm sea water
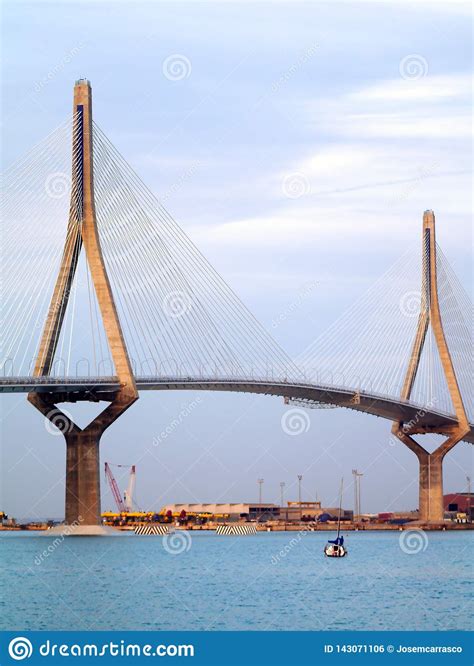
[{"x": 268, "y": 581}]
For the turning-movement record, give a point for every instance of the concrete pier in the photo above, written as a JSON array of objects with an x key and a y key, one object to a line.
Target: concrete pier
[
  {"x": 82, "y": 454},
  {"x": 83, "y": 478}
]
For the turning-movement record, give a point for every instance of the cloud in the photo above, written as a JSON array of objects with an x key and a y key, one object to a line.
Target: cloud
[
  {"x": 431, "y": 88},
  {"x": 361, "y": 196},
  {"x": 436, "y": 107},
  {"x": 403, "y": 125},
  {"x": 373, "y": 173}
]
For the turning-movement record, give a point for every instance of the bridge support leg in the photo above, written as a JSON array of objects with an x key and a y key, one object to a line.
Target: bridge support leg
[
  {"x": 431, "y": 506},
  {"x": 82, "y": 478},
  {"x": 82, "y": 455},
  {"x": 431, "y": 488}
]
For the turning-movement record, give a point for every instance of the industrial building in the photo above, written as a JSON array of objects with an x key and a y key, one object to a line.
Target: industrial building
[
  {"x": 294, "y": 511},
  {"x": 229, "y": 511},
  {"x": 459, "y": 503}
]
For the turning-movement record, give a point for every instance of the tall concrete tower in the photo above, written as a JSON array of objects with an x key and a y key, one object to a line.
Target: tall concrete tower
[
  {"x": 82, "y": 445},
  {"x": 431, "y": 464}
]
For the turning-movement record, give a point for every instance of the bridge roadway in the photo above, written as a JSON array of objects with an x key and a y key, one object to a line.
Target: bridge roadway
[{"x": 103, "y": 388}]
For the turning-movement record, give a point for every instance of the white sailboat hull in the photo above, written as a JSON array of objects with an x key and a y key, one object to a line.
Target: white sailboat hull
[{"x": 331, "y": 550}]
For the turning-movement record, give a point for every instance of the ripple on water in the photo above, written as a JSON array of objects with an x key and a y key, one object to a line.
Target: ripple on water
[{"x": 233, "y": 583}]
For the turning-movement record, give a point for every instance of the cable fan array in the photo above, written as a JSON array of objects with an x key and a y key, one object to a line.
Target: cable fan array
[
  {"x": 457, "y": 315},
  {"x": 36, "y": 204},
  {"x": 179, "y": 317},
  {"x": 369, "y": 347}
]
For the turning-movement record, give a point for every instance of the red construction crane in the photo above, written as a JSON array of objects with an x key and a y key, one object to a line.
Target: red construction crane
[{"x": 115, "y": 489}]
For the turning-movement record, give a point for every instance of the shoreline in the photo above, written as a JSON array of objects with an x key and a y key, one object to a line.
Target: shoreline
[{"x": 297, "y": 527}]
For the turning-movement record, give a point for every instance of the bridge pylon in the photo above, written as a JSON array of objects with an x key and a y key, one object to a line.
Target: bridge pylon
[
  {"x": 82, "y": 444},
  {"x": 431, "y": 507}
]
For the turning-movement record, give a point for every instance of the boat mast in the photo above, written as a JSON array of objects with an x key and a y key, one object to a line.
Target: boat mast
[{"x": 340, "y": 509}]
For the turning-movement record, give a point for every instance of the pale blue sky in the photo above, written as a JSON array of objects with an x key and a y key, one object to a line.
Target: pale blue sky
[{"x": 273, "y": 89}]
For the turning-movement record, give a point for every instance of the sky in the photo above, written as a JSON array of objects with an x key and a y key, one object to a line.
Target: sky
[{"x": 297, "y": 144}]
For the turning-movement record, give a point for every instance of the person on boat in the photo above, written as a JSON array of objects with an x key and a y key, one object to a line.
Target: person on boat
[{"x": 338, "y": 541}]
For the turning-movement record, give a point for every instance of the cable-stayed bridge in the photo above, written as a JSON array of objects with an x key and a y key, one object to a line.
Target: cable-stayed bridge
[{"x": 104, "y": 296}]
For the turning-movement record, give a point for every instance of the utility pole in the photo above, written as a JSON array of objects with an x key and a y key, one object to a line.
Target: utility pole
[
  {"x": 354, "y": 481},
  {"x": 282, "y": 490},
  {"x": 260, "y": 484},
  {"x": 300, "y": 478},
  {"x": 468, "y": 512}
]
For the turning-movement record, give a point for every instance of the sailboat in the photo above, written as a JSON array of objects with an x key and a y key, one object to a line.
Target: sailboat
[{"x": 336, "y": 547}]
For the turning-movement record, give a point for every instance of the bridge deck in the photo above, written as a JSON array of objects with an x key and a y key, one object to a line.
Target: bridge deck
[{"x": 393, "y": 409}]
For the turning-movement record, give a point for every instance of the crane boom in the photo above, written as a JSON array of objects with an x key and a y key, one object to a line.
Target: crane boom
[{"x": 114, "y": 488}]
